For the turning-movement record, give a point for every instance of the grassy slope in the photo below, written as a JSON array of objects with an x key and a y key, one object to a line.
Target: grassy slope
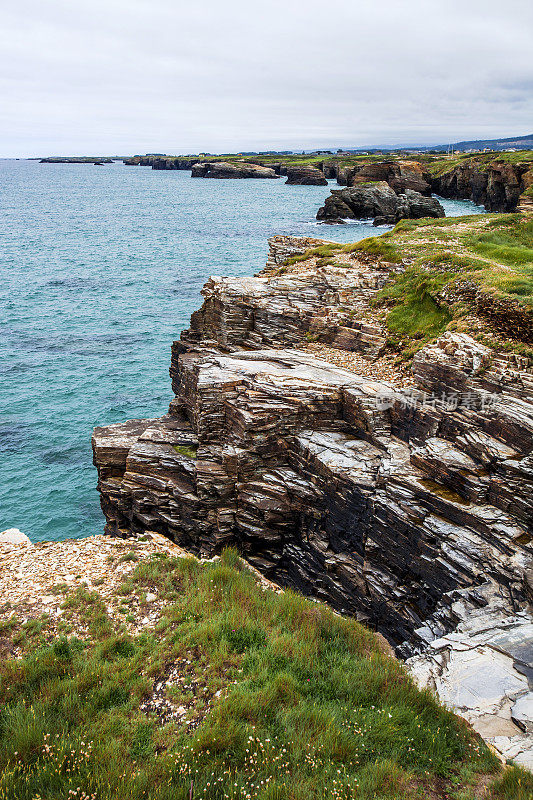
[
  {"x": 309, "y": 705},
  {"x": 492, "y": 251},
  {"x": 439, "y": 164}
]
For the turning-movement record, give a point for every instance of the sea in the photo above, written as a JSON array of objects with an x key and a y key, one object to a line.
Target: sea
[{"x": 100, "y": 270}]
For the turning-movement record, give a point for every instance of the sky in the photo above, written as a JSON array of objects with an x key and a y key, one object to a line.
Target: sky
[{"x": 121, "y": 77}]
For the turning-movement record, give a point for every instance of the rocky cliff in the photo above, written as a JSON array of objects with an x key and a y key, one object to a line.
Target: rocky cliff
[
  {"x": 398, "y": 174},
  {"x": 500, "y": 182},
  {"x": 306, "y": 176},
  {"x": 392, "y": 504},
  {"x": 497, "y": 184},
  {"x": 231, "y": 169}
]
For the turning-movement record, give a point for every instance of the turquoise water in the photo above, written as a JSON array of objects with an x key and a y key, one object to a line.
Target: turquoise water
[{"x": 100, "y": 270}]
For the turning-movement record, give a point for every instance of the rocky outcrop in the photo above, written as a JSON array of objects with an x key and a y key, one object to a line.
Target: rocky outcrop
[
  {"x": 231, "y": 169},
  {"x": 498, "y": 185},
  {"x": 164, "y": 162},
  {"x": 278, "y": 310},
  {"x": 74, "y": 160},
  {"x": 400, "y": 175},
  {"x": 305, "y": 176},
  {"x": 482, "y": 671},
  {"x": 378, "y": 201},
  {"x": 390, "y": 506}
]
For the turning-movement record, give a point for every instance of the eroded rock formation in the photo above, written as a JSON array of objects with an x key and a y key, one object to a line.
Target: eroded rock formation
[
  {"x": 378, "y": 201},
  {"x": 306, "y": 176},
  {"x": 230, "y": 169},
  {"x": 390, "y": 507},
  {"x": 497, "y": 185}
]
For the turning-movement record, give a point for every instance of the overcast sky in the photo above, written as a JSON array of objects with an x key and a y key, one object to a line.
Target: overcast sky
[{"x": 136, "y": 76}]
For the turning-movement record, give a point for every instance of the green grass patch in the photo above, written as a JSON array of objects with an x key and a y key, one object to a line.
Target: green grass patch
[
  {"x": 185, "y": 450},
  {"x": 509, "y": 242},
  {"x": 325, "y": 251},
  {"x": 290, "y": 700},
  {"x": 492, "y": 251},
  {"x": 378, "y": 246}
]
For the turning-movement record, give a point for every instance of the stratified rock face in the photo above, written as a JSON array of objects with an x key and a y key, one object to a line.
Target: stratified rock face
[
  {"x": 399, "y": 175},
  {"x": 279, "y": 310},
  {"x": 379, "y": 202},
  {"x": 227, "y": 169},
  {"x": 306, "y": 176},
  {"x": 389, "y": 507},
  {"x": 497, "y": 185}
]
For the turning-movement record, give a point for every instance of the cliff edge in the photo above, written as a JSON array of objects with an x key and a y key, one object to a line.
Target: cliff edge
[{"x": 358, "y": 421}]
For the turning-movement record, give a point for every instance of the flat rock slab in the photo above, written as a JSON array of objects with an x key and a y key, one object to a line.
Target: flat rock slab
[
  {"x": 481, "y": 672},
  {"x": 517, "y": 642}
]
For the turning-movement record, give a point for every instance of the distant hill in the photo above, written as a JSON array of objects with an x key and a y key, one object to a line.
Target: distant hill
[{"x": 518, "y": 142}]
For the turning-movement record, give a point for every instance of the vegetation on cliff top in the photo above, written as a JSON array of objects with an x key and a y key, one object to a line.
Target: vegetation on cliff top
[
  {"x": 451, "y": 269},
  {"x": 237, "y": 692},
  {"x": 434, "y": 162}
]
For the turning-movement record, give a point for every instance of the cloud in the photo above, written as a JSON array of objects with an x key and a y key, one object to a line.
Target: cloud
[{"x": 167, "y": 76}]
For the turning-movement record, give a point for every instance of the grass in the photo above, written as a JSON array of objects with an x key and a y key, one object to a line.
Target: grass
[
  {"x": 185, "y": 450},
  {"x": 492, "y": 252},
  {"x": 284, "y": 699}
]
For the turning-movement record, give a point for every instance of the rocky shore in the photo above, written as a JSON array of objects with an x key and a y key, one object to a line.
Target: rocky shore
[
  {"x": 500, "y": 182},
  {"x": 305, "y": 176},
  {"x": 260, "y": 432},
  {"x": 401, "y": 499}
]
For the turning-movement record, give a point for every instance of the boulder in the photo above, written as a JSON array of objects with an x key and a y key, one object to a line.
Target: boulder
[{"x": 13, "y": 536}]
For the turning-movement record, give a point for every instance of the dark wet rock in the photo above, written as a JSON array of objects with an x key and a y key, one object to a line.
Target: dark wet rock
[
  {"x": 305, "y": 176},
  {"x": 376, "y": 200},
  {"x": 497, "y": 185}
]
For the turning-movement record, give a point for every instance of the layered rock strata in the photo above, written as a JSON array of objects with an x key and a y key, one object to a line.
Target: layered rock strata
[
  {"x": 227, "y": 169},
  {"x": 377, "y": 201},
  {"x": 498, "y": 185},
  {"x": 390, "y": 507}
]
